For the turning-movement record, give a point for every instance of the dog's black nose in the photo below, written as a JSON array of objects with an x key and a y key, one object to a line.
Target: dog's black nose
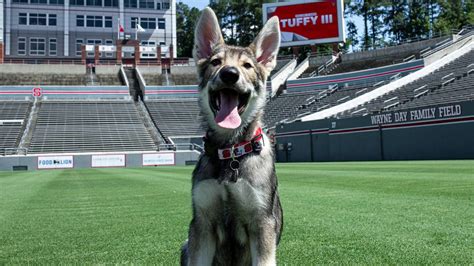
[{"x": 229, "y": 75}]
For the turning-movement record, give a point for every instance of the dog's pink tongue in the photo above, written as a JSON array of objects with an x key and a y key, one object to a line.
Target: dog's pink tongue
[{"x": 228, "y": 115}]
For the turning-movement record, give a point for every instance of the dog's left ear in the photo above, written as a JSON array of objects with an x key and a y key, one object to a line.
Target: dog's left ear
[{"x": 267, "y": 43}]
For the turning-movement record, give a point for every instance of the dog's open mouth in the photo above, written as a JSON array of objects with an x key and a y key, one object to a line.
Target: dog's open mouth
[{"x": 228, "y": 105}]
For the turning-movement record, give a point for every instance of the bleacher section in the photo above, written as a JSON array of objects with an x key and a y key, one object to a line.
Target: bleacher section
[
  {"x": 425, "y": 91},
  {"x": 176, "y": 117},
  {"x": 293, "y": 105},
  {"x": 11, "y": 131},
  {"x": 89, "y": 126},
  {"x": 153, "y": 79}
]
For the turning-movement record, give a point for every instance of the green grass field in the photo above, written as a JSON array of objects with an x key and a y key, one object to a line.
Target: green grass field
[{"x": 345, "y": 213}]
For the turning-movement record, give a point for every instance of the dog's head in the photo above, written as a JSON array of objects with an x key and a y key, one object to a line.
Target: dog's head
[{"x": 232, "y": 79}]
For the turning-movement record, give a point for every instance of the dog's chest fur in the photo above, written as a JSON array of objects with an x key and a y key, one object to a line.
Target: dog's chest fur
[{"x": 245, "y": 198}]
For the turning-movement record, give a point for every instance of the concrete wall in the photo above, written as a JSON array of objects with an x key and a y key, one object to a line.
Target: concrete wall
[
  {"x": 43, "y": 69},
  {"x": 434, "y": 132},
  {"x": 85, "y": 160},
  {"x": 188, "y": 70},
  {"x": 107, "y": 70},
  {"x": 144, "y": 70}
]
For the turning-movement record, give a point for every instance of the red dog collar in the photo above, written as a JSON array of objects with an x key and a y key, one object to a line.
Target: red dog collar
[{"x": 243, "y": 148}]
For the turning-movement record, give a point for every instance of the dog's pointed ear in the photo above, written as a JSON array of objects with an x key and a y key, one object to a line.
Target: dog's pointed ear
[
  {"x": 207, "y": 35},
  {"x": 267, "y": 43}
]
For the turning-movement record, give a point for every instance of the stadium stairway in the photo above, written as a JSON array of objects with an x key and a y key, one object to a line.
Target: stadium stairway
[{"x": 134, "y": 86}]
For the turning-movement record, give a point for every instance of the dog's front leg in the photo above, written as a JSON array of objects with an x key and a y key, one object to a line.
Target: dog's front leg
[
  {"x": 202, "y": 243},
  {"x": 207, "y": 207},
  {"x": 263, "y": 243}
]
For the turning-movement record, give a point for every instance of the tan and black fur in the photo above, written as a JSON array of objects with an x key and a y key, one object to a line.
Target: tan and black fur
[{"x": 237, "y": 217}]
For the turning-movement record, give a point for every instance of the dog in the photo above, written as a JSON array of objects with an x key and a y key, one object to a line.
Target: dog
[{"x": 237, "y": 215}]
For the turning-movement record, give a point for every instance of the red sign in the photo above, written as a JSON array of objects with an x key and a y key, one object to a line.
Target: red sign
[
  {"x": 308, "y": 22},
  {"x": 37, "y": 92}
]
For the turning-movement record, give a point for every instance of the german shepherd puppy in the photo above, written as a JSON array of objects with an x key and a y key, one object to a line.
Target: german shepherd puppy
[{"x": 237, "y": 216}]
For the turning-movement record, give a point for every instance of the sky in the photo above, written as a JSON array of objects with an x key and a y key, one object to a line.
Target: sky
[{"x": 200, "y": 4}]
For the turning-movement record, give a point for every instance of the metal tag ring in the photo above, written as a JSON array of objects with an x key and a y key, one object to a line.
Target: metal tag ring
[{"x": 234, "y": 165}]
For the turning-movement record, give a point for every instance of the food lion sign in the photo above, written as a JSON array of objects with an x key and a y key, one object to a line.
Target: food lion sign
[
  {"x": 308, "y": 22},
  {"x": 55, "y": 162}
]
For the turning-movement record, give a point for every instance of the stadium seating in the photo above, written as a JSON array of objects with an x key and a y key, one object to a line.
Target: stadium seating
[
  {"x": 176, "y": 117},
  {"x": 89, "y": 126},
  {"x": 57, "y": 79},
  {"x": 450, "y": 79},
  {"x": 293, "y": 105},
  {"x": 11, "y": 132}
]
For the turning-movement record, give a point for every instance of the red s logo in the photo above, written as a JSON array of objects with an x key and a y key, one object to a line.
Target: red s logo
[{"x": 37, "y": 92}]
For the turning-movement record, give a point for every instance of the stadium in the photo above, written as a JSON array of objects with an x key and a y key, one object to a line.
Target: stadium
[{"x": 100, "y": 131}]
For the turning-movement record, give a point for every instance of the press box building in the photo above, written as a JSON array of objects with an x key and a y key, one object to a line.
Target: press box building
[{"x": 58, "y": 28}]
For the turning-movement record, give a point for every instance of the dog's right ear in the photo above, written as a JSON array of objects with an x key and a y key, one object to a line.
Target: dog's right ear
[{"x": 207, "y": 35}]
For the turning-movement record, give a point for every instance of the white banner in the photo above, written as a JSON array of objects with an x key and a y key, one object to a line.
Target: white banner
[
  {"x": 128, "y": 49},
  {"x": 55, "y": 162},
  {"x": 107, "y": 48},
  {"x": 90, "y": 48},
  {"x": 151, "y": 159},
  {"x": 149, "y": 49},
  {"x": 113, "y": 160}
]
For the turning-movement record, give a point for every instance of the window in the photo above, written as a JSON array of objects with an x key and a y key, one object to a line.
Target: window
[
  {"x": 20, "y": 1},
  {"x": 166, "y": 5},
  {"x": 76, "y": 2},
  {"x": 94, "y": 21},
  {"x": 109, "y": 42},
  {"x": 134, "y": 22},
  {"x": 111, "y": 3},
  {"x": 22, "y": 46},
  {"x": 37, "y": 46},
  {"x": 161, "y": 24},
  {"x": 130, "y": 3},
  {"x": 53, "y": 47},
  {"x": 108, "y": 22},
  {"x": 79, "y": 43},
  {"x": 23, "y": 19},
  {"x": 52, "y": 19},
  {"x": 38, "y": 1},
  {"x": 79, "y": 21},
  {"x": 94, "y": 2},
  {"x": 158, "y": 5},
  {"x": 148, "y": 23},
  {"x": 56, "y": 2},
  {"x": 94, "y": 42},
  {"x": 37, "y": 19},
  {"x": 150, "y": 4}
]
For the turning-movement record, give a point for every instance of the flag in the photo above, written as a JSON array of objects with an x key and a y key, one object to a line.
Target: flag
[
  {"x": 121, "y": 28},
  {"x": 139, "y": 28}
]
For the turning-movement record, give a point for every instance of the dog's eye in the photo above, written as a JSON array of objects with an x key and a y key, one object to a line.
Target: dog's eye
[
  {"x": 248, "y": 65},
  {"x": 216, "y": 62}
]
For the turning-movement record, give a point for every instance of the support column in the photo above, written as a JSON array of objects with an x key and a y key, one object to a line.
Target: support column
[
  {"x": 296, "y": 50},
  {"x": 158, "y": 54},
  {"x": 2, "y": 55},
  {"x": 335, "y": 48},
  {"x": 171, "y": 50},
  {"x": 83, "y": 54},
  {"x": 96, "y": 55},
  {"x": 137, "y": 53},
  {"x": 119, "y": 52}
]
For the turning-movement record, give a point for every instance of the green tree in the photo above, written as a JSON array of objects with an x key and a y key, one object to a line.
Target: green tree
[{"x": 186, "y": 19}]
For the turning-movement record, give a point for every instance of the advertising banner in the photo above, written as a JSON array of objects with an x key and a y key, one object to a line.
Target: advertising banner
[
  {"x": 152, "y": 159},
  {"x": 55, "y": 162},
  {"x": 308, "y": 22},
  {"x": 113, "y": 160}
]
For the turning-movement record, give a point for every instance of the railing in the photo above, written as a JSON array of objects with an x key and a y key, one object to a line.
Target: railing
[
  {"x": 13, "y": 151},
  {"x": 43, "y": 61}
]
